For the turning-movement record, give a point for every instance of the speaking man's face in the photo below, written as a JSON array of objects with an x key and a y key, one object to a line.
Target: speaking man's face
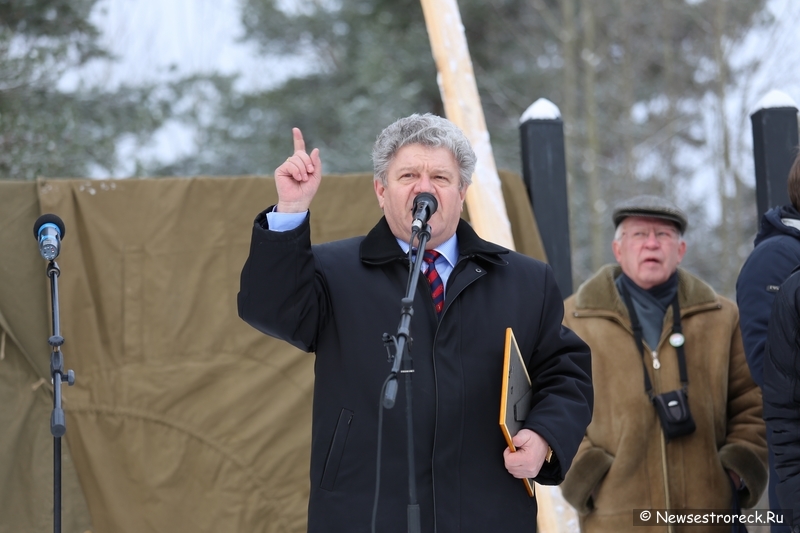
[
  {"x": 649, "y": 250},
  {"x": 416, "y": 169}
]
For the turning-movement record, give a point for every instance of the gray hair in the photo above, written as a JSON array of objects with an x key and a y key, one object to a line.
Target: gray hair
[{"x": 428, "y": 130}]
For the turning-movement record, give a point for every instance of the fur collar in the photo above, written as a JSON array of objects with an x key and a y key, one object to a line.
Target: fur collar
[{"x": 599, "y": 292}]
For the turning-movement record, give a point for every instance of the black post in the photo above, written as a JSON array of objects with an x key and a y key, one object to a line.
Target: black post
[
  {"x": 774, "y": 148},
  {"x": 544, "y": 169}
]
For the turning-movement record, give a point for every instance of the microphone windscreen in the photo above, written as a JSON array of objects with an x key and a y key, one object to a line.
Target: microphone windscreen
[
  {"x": 430, "y": 199},
  {"x": 51, "y": 219}
]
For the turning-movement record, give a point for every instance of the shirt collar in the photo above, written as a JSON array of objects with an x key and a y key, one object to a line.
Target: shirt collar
[
  {"x": 380, "y": 246},
  {"x": 448, "y": 249}
]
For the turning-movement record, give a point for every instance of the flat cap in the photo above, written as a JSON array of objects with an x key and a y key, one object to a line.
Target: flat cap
[{"x": 648, "y": 205}]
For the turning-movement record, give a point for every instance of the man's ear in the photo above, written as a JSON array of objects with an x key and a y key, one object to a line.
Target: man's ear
[
  {"x": 615, "y": 247},
  {"x": 379, "y": 190},
  {"x": 681, "y": 251}
]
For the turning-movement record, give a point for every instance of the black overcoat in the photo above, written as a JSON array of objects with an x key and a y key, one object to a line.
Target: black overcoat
[
  {"x": 338, "y": 299},
  {"x": 782, "y": 393}
]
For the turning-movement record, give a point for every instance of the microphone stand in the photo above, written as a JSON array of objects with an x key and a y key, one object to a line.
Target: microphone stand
[
  {"x": 58, "y": 423},
  {"x": 401, "y": 343}
]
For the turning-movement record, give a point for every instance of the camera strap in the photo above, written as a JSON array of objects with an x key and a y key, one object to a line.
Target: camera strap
[{"x": 677, "y": 334}]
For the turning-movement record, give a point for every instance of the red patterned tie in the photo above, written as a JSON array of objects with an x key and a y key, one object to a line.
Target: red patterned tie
[{"x": 437, "y": 287}]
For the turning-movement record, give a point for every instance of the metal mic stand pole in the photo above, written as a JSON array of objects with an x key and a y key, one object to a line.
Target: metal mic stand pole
[
  {"x": 57, "y": 420},
  {"x": 402, "y": 355}
]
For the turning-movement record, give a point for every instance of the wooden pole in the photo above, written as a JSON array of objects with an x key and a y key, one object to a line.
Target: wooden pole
[
  {"x": 487, "y": 209},
  {"x": 462, "y": 105}
]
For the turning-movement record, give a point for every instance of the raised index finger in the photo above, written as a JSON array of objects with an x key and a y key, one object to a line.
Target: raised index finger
[{"x": 299, "y": 143}]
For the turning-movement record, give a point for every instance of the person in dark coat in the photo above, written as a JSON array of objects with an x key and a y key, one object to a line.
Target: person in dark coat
[
  {"x": 338, "y": 299},
  {"x": 775, "y": 255},
  {"x": 781, "y": 391}
]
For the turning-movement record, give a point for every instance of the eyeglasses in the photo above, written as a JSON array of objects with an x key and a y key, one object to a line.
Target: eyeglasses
[{"x": 663, "y": 235}]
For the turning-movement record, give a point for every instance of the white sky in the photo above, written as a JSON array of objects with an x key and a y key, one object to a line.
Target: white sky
[{"x": 157, "y": 39}]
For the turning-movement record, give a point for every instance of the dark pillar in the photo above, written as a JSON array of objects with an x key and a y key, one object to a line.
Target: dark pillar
[
  {"x": 774, "y": 148},
  {"x": 544, "y": 169}
]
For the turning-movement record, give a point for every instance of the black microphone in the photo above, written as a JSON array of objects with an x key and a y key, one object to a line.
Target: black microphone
[
  {"x": 425, "y": 206},
  {"x": 49, "y": 230}
]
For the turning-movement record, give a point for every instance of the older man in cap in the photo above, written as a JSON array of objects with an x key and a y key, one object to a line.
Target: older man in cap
[{"x": 677, "y": 422}]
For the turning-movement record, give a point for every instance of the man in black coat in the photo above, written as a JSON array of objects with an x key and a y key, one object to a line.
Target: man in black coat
[
  {"x": 775, "y": 255},
  {"x": 781, "y": 391},
  {"x": 338, "y": 299}
]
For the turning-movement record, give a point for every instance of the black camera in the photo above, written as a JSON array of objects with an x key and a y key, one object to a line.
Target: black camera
[{"x": 673, "y": 410}]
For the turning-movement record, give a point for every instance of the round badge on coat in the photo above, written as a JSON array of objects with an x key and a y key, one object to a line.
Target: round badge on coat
[{"x": 677, "y": 339}]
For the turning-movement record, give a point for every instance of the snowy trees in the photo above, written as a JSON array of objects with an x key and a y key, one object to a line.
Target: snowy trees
[{"x": 651, "y": 94}]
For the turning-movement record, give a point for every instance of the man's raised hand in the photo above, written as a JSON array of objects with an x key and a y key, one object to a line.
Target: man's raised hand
[{"x": 297, "y": 179}]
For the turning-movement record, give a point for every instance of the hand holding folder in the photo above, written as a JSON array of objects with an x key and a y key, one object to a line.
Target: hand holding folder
[
  {"x": 515, "y": 404},
  {"x": 515, "y": 399}
]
